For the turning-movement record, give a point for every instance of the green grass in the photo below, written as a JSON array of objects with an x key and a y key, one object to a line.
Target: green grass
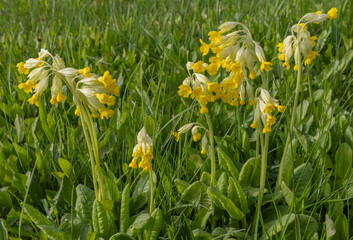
[{"x": 145, "y": 45}]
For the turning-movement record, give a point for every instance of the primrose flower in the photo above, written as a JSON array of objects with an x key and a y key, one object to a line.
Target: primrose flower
[
  {"x": 265, "y": 105},
  {"x": 302, "y": 43},
  {"x": 237, "y": 47},
  {"x": 142, "y": 151},
  {"x": 89, "y": 89}
]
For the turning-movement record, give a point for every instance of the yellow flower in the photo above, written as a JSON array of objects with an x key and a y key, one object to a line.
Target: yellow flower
[
  {"x": 312, "y": 40},
  {"x": 105, "y": 113},
  {"x": 265, "y": 66},
  {"x": 332, "y": 13},
  {"x": 217, "y": 50},
  {"x": 205, "y": 48},
  {"x": 214, "y": 87},
  {"x": 77, "y": 112},
  {"x": 252, "y": 74},
  {"x": 41, "y": 63},
  {"x": 280, "y": 47},
  {"x": 133, "y": 163},
  {"x": 318, "y": 12},
  {"x": 281, "y": 57},
  {"x": 203, "y": 99},
  {"x": 148, "y": 155},
  {"x": 196, "y": 137},
  {"x": 253, "y": 125},
  {"x": 270, "y": 120},
  {"x": 281, "y": 108},
  {"x": 53, "y": 101},
  {"x": 60, "y": 97},
  {"x": 214, "y": 36},
  {"x": 266, "y": 129},
  {"x": 198, "y": 67},
  {"x": 203, "y": 151},
  {"x": 22, "y": 69},
  {"x": 308, "y": 61},
  {"x": 295, "y": 67},
  {"x": 242, "y": 102},
  {"x": 85, "y": 71},
  {"x": 269, "y": 108},
  {"x": 196, "y": 93},
  {"x": 203, "y": 109},
  {"x": 303, "y": 26},
  {"x": 176, "y": 135},
  {"x": 312, "y": 54},
  {"x": 213, "y": 68},
  {"x": 27, "y": 86},
  {"x": 184, "y": 91},
  {"x": 34, "y": 99},
  {"x": 286, "y": 65},
  {"x": 138, "y": 152}
]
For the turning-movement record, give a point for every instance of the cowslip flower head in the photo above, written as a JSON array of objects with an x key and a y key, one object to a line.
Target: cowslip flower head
[
  {"x": 265, "y": 105},
  {"x": 143, "y": 151},
  {"x": 300, "y": 43},
  {"x": 89, "y": 89}
]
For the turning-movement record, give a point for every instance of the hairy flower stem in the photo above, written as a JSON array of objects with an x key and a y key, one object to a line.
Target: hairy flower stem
[
  {"x": 89, "y": 146},
  {"x": 96, "y": 155},
  {"x": 151, "y": 192},
  {"x": 262, "y": 181},
  {"x": 297, "y": 91},
  {"x": 213, "y": 157}
]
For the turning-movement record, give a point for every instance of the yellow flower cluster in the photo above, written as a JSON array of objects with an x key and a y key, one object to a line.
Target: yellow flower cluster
[
  {"x": 88, "y": 88},
  {"x": 196, "y": 136},
  {"x": 143, "y": 150},
  {"x": 265, "y": 106},
  {"x": 302, "y": 43},
  {"x": 235, "y": 53}
]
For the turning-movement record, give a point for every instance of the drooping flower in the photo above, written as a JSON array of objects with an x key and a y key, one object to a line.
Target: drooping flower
[
  {"x": 301, "y": 44},
  {"x": 142, "y": 151}
]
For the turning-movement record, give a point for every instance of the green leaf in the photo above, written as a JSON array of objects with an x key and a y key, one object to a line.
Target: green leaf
[
  {"x": 308, "y": 225},
  {"x": 225, "y": 203},
  {"x": 65, "y": 166},
  {"x": 222, "y": 183},
  {"x": 200, "y": 234},
  {"x": 301, "y": 178},
  {"x": 289, "y": 161},
  {"x": 37, "y": 217},
  {"x": 53, "y": 233},
  {"x": 124, "y": 211},
  {"x": 5, "y": 198},
  {"x": 342, "y": 228},
  {"x": 196, "y": 194},
  {"x": 121, "y": 236},
  {"x": 103, "y": 223},
  {"x": 248, "y": 174},
  {"x": 140, "y": 222},
  {"x": 287, "y": 193},
  {"x": 84, "y": 202},
  {"x": 3, "y": 230},
  {"x": 156, "y": 222},
  {"x": 206, "y": 178},
  {"x": 343, "y": 163},
  {"x": 330, "y": 227},
  {"x": 140, "y": 195},
  {"x": 181, "y": 185},
  {"x": 227, "y": 164},
  {"x": 201, "y": 218},
  {"x": 19, "y": 181},
  {"x": 240, "y": 195},
  {"x": 19, "y": 126}
]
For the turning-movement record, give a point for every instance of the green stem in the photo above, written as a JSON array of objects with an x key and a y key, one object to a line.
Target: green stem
[
  {"x": 297, "y": 91},
  {"x": 257, "y": 154},
  {"x": 96, "y": 154},
  {"x": 83, "y": 114},
  {"x": 213, "y": 157},
  {"x": 151, "y": 193},
  {"x": 262, "y": 182},
  {"x": 264, "y": 83}
]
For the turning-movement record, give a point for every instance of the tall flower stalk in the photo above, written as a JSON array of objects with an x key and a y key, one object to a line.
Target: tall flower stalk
[
  {"x": 300, "y": 46},
  {"x": 91, "y": 94}
]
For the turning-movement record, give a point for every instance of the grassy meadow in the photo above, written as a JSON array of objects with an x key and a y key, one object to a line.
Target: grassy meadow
[{"x": 48, "y": 182}]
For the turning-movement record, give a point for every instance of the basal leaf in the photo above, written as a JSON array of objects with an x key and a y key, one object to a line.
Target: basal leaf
[
  {"x": 84, "y": 202},
  {"x": 226, "y": 163},
  {"x": 124, "y": 211}
]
